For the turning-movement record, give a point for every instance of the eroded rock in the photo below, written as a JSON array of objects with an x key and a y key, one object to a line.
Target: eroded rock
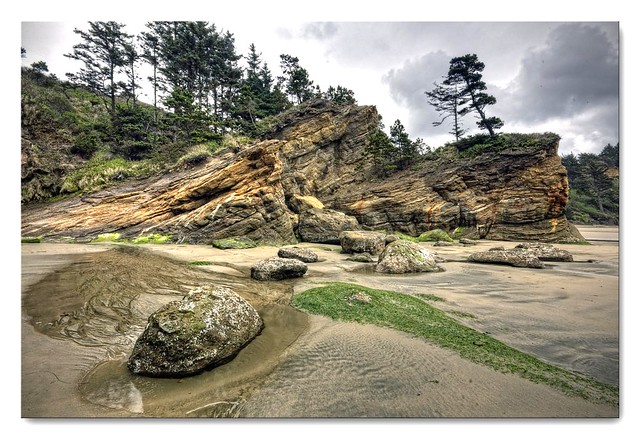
[
  {"x": 356, "y": 241},
  {"x": 324, "y": 225},
  {"x": 546, "y": 252},
  {"x": 299, "y": 253},
  {"x": 278, "y": 269},
  {"x": 516, "y": 258},
  {"x": 403, "y": 256},
  {"x": 184, "y": 337}
]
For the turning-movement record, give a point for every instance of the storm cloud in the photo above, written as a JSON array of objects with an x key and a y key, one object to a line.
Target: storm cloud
[{"x": 567, "y": 83}]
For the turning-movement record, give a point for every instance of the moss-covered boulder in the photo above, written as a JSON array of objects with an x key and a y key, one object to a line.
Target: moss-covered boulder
[
  {"x": 184, "y": 337},
  {"x": 403, "y": 256}
]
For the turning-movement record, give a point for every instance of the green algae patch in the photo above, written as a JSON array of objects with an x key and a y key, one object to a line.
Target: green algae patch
[
  {"x": 234, "y": 243},
  {"x": 31, "y": 239},
  {"x": 154, "y": 238},
  {"x": 414, "y": 316},
  {"x": 107, "y": 237}
]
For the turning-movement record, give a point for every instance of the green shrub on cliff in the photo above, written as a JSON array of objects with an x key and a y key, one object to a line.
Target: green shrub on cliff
[{"x": 473, "y": 146}]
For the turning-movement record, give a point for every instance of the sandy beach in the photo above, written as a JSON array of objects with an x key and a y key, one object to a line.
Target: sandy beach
[{"x": 311, "y": 366}]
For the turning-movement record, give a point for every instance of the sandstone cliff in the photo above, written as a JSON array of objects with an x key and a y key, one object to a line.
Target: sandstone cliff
[{"x": 318, "y": 151}]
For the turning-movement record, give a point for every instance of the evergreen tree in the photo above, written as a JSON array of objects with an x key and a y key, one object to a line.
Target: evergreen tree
[
  {"x": 132, "y": 84},
  {"x": 340, "y": 95},
  {"x": 448, "y": 101},
  {"x": 467, "y": 70},
  {"x": 150, "y": 45},
  {"x": 406, "y": 149},
  {"x": 296, "y": 80},
  {"x": 102, "y": 53},
  {"x": 382, "y": 151}
]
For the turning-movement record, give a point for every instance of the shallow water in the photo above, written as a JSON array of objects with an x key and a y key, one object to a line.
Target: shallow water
[{"x": 102, "y": 300}]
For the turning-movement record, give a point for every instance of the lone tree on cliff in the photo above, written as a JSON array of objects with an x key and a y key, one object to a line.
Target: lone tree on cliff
[
  {"x": 463, "y": 92},
  {"x": 447, "y": 100}
]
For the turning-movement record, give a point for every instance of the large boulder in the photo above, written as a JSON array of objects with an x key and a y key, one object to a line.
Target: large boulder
[
  {"x": 278, "y": 269},
  {"x": 183, "y": 337},
  {"x": 355, "y": 241},
  {"x": 546, "y": 252},
  {"x": 514, "y": 257},
  {"x": 299, "y": 253},
  {"x": 403, "y": 256},
  {"x": 299, "y": 203},
  {"x": 324, "y": 225}
]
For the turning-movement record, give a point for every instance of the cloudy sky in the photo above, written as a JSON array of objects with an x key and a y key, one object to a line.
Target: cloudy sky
[{"x": 547, "y": 75}]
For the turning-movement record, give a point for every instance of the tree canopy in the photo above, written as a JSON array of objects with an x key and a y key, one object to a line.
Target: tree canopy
[{"x": 463, "y": 92}]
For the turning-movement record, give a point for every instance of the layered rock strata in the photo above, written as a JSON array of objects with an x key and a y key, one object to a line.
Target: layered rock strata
[{"x": 315, "y": 162}]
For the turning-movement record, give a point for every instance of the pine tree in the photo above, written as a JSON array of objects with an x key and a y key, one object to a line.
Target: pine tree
[
  {"x": 467, "y": 70},
  {"x": 448, "y": 100},
  {"x": 340, "y": 95},
  {"x": 406, "y": 149},
  {"x": 296, "y": 80},
  {"x": 103, "y": 55}
]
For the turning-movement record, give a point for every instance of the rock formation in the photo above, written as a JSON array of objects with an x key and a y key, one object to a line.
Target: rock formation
[
  {"x": 315, "y": 163},
  {"x": 372, "y": 243},
  {"x": 299, "y": 253},
  {"x": 403, "y": 256},
  {"x": 182, "y": 338},
  {"x": 278, "y": 269}
]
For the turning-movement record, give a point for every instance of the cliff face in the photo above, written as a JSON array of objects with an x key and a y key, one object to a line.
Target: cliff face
[{"x": 319, "y": 151}]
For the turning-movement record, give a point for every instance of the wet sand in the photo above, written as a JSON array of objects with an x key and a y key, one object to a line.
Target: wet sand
[{"x": 311, "y": 366}]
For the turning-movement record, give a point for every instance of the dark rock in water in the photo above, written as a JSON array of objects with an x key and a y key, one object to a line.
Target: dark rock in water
[
  {"x": 362, "y": 242},
  {"x": 324, "y": 225},
  {"x": 403, "y": 256},
  {"x": 443, "y": 244},
  {"x": 546, "y": 252},
  {"x": 466, "y": 241},
  {"x": 516, "y": 258},
  {"x": 278, "y": 269},
  {"x": 299, "y": 253},
  {"x": 208, "y": 326}
]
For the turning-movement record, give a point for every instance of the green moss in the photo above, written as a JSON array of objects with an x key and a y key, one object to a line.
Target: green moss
[
  {"x": 154, "y": 238},
  {"x": 31, "y": 239},
  {"x": 107, "y": 237},
  {"x": 199, "y": 263},
  {"x": 405, "y": 237},
  {"x": 234, "y": 243},
  {"x": 575, "y": 242},
  {"x": 414, "y": 316},
  {"x": 434, "y": 236}
]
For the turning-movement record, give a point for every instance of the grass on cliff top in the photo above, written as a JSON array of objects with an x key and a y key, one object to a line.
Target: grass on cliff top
[
  {"x": 354, "y": 303},
  {"x": 473, "y": 146}
]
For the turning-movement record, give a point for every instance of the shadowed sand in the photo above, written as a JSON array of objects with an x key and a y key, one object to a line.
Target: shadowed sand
[{"x": 311, "y": 366}]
